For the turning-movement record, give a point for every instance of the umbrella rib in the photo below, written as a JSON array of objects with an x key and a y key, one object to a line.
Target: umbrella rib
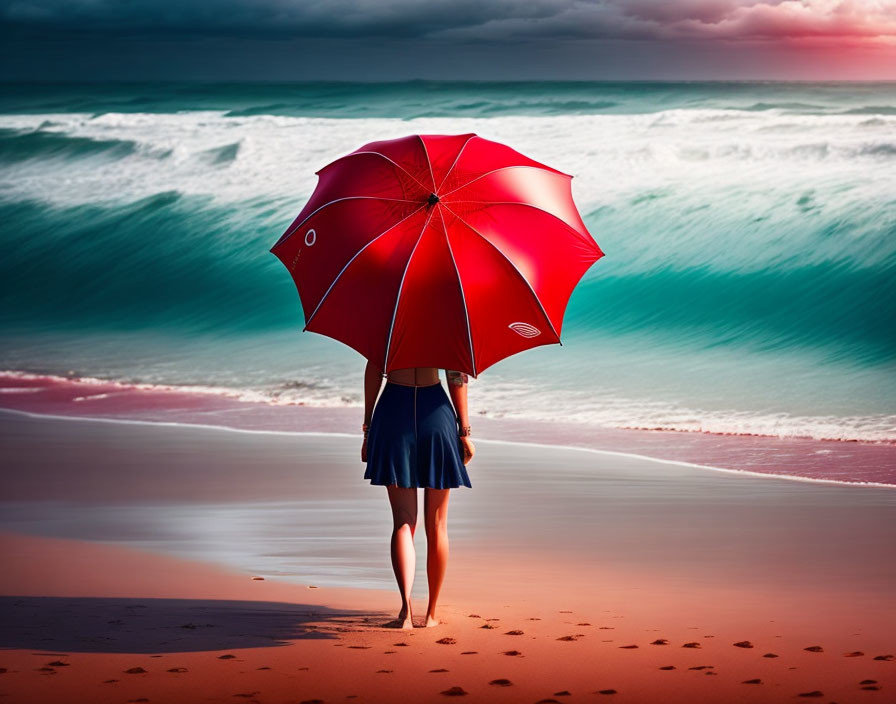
[
  {"x": 393, "y": 162},
  {"x": 368, "y": 151},
  {"x": 355, "y": 256},
  {"x": 400, "y": 286},
  {"x": 502, "y": 168},
  {"x": 291, "y": 231},
  {"x": 456, "y": 159},
  {"x": 531, "y": 205},
  {"x": 429, "y": 163},
  {"x": 515, "y": 268},
  {"x": 463, "y": 298}
]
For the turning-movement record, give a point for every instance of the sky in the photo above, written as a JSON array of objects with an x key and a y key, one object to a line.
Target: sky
[{"x": 448, "y": 39}]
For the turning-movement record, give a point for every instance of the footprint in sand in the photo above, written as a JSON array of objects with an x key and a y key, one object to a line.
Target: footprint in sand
[
  {"x": 547, "y": 701},
  {"x": 606, "y": 691},
  {"x": 769, "y": 655},
  {"x": 231, "y": 657},
  {"x": 177, "y": 669},
  {"x": 660, "y": 641},
  {"x": 513, "y": 633},
  {"x": 378, "y": 671},
  {"x": 137, "y": 701},
  {"x": 868, "y": 682},
  {"x": 883, "y": 657},
  {"x": 447, "y": 640},
  {"x": 58, "y": 663},
  {"x": 691, "y": 645},
  {"x": 668, "y": 667},
  {"x": 701, "y": 667},
  {"x": 567, "y": 638},
  {"x": 470, "y": 652},
  {"x": 501, "y": 682},
  {"x": 454, "y": 692},
  {"x": 813, "y": 694},
  {"x": 743, "y": 644},
  {"x": 628, "y": 647},
  {"x": 474, "y": 616},
  {"x": 135, "y": 671},
  {"x": 753, "y": 681},
  {"x": 487, "y": 625},
  {"x": 49, "y": 670},
  {"x": 854, "y": 654},
  {"x": 563, "y": 693},
  {"x": 247, "y": 695},
  {"x": 356, "y": 647},
  {"x": 401, "y": 645},
  {"x": 441, "y": 669},
  {"x": 607, "y": 628},
  {"x": 814, "y": 649},
  {"x": 512, "y": 652},
  {"x": 534, "y": 618},
  {"x": 385, "y": 652},
  {"x": 312, "y": 701},
  {"x": 492, "y": 619},
  {"x": 109, "y": 681}
]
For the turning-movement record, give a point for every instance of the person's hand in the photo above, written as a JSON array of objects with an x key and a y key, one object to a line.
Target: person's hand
[
  {"x": 364, "y": 450},
  {"x": 468, "y": 449}
]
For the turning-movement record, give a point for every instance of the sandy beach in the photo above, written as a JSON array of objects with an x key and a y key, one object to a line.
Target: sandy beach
[{"x": 574, "y": 575}]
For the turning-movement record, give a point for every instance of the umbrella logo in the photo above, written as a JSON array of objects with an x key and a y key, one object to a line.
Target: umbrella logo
[
  {"x": 310, "y": 237},
  {"x": 525, "y": 329}
]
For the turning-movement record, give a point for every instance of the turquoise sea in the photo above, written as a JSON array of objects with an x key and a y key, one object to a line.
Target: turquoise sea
[{"x": 749, "y": 231}]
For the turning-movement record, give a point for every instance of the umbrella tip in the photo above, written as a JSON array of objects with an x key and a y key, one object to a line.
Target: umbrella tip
[{"x": 433, "y": 199}]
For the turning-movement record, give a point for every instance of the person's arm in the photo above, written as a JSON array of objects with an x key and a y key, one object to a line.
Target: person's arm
[
  {"x": 457, "y": 389},
  {"x": 373, "y": 380}
]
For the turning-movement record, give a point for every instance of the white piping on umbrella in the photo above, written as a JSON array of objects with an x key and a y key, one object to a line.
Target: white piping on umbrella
[
  {"x": 502, "y": 168},
  {"x": 330, "y": 288},
  {"x": 515, "y": 268},
  {"x": 400, "y": 286},
  {"x": 432, "y": 176},
  {"x": 289, "y": 233},
  {"x": 463, "y": 298},
  {"x": 456, "y": 159},
  {"x": 578, "y": 234}
]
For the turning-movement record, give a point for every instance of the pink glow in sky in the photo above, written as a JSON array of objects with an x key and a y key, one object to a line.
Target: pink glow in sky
[{"x": 811, "y": 39}]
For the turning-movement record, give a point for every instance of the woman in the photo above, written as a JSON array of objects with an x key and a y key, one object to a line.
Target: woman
[{"x": 414, "y": 438}]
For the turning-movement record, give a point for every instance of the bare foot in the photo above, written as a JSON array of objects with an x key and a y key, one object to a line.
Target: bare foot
[
  {"x": 432, "y": 621},
  {"x": 403, "y": 620},
  {"x": 399, "y": 623}
]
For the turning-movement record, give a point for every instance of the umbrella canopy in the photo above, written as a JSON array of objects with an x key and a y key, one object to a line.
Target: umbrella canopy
[{"x": 448, "y": 251}]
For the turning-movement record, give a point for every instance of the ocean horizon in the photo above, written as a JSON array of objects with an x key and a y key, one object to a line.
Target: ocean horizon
[{"x": 749, "y": 229}]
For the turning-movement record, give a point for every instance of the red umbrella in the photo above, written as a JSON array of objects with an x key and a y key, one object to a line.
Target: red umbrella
[{"x": 448, "y": 251}]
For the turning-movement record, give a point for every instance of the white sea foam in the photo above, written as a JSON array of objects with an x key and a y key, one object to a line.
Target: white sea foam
[
  {"x": 770, "y": 168},
  {"x": 500, "y": 399}
]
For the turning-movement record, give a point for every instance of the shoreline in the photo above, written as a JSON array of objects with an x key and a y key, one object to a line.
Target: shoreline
[
  {"x": 323, "y": 433},
  {"x": 834, "y": 461}
]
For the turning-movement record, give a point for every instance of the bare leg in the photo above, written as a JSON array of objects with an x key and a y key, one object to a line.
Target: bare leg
[
  {"x": 435, "y": 508},
  {"x": 404, "y": 524}
]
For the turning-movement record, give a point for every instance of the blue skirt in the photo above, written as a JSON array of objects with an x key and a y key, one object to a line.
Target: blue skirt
[{"x": 412, "y": 439}]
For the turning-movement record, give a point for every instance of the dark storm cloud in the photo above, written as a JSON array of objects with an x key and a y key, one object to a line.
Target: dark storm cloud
[
  {"x": 274, "y": 18},
  {"x": 494, "y": 20}
]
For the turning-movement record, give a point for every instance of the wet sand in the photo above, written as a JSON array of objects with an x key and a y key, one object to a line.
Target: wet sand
[{"x": 561, "y": 560}]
